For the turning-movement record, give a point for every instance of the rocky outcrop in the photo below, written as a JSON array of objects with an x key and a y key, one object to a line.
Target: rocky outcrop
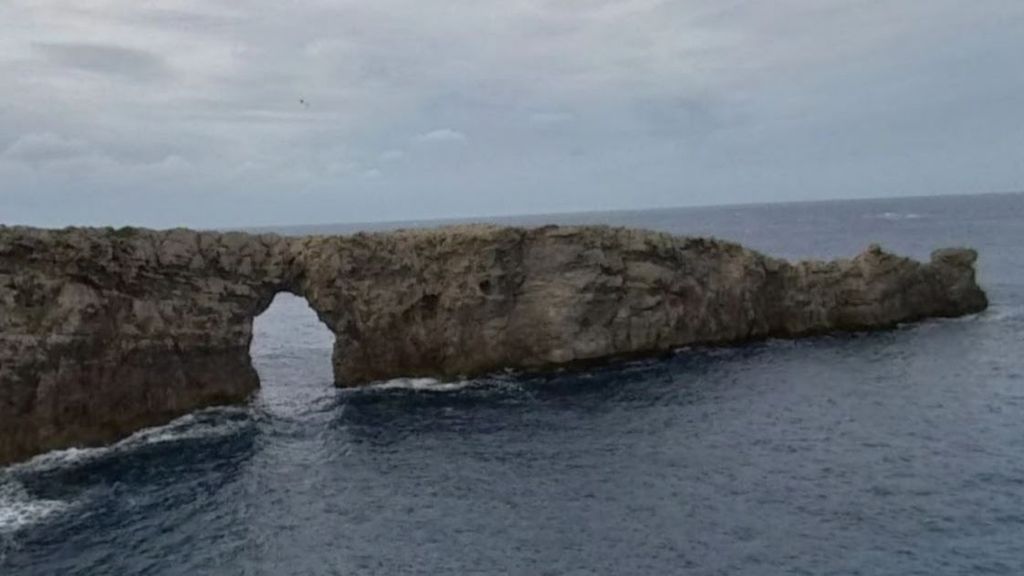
[{"x": 105, "y": 331}]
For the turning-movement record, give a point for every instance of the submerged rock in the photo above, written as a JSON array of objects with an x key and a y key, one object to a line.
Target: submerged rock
[{"x": 104, "y": 331}]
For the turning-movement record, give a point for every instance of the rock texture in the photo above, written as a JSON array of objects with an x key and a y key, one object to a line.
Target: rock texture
[{"x": 105, "y": 331}]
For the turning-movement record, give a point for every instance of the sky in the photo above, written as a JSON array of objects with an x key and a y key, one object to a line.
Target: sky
[{"x": 217, "y": 113}]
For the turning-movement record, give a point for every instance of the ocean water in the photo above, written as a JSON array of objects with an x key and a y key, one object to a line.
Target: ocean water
[{"x": 898, "y": 452}]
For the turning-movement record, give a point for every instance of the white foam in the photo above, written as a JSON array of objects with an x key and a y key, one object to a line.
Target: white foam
[
  {"x": 61, "y": 458},
  {"x": 187, "y": 427},
  {"x": 898, "y": 216},
  {"x": 184, "y": 428},
  {"x": 422, "y": 384},
  {"x": 18, "y": 509},
  {"x": 1001, "y": 313},
  {"x": 931, "y": 323}
]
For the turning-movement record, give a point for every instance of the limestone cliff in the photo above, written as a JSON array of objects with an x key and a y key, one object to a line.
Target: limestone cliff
[{"x": 104, "y": 331}]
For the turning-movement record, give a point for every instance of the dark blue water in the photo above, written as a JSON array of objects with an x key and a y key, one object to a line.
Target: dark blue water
[{"x": 891, "y": 453}]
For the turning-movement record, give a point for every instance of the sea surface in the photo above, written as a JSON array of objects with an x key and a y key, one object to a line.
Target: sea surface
[{"x": 891, "y": 453}]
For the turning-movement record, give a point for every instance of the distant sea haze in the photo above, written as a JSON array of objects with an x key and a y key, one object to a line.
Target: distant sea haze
[{"x": 889, "y": 453}]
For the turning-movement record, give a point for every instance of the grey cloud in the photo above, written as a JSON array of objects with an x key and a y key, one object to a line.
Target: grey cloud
[
  {"x": 678, "y": 117},
  {"x": 391, "y": 155},
  {"x": 550, "y": 118},
  {"x": 191, "y": 114},
  {"x": 44, "y": 147},
  {"x": 216, "y": 21},
  {"x": 106, "y": 59},
  {"x": 57, "y": 155}
]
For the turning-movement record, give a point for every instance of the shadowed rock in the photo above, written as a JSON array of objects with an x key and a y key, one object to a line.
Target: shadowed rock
[{"x": 104, "y": 332}]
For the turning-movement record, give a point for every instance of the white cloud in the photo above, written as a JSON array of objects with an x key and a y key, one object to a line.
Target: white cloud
[{"x": 440, "y": 135}]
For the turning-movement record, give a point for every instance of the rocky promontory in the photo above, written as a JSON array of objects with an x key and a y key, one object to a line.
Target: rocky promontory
[{"x": 104, "y": 331}]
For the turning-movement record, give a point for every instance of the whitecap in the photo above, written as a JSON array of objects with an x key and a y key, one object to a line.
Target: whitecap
[
  {"x": 209, "y": 423},
  {"x": 60, "y": 459},
  {"x": 18, "y": 509},
  {"x": 932, "y": 323},
  {"x": 422, "y": 384},
  {"x": 1003, "y": 313},
  {"x": 185, "y": 428},
  {"x": 899, "y": 216}
]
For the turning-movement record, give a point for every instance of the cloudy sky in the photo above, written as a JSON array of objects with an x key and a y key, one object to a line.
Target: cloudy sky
[{"x": 228, "y": 113}]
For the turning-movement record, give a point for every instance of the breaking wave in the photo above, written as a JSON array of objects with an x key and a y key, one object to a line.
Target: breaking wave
[
  {"x": 208, "y": 423},
  {"x": 423, "y": 384},
  {"x": 19, "y": 509}
]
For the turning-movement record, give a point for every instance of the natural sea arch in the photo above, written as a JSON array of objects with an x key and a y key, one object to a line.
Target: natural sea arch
[{"x": 104, "y": 332}]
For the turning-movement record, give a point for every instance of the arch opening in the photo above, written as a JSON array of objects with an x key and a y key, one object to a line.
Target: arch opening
[{"x": 291, "y": 352}]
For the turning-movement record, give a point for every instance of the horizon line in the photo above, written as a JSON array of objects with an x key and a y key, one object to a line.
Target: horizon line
[{"x": 470, "y": 218}]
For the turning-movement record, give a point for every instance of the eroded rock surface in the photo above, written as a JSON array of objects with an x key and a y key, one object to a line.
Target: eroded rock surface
[{"x": 103, "y": 332}]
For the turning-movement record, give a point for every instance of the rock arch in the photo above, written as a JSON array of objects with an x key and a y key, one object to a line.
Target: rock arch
[{"x": 103, "y": 331}]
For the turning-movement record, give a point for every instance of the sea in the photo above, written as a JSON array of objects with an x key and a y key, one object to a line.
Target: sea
[{"x": 889, "y": 453}]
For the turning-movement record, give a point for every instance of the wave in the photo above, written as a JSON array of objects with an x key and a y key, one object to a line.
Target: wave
[
  {"x": 898, "y": 216},
  {"x": 18, "y": 509},
  {"x": 208, "y": 423},
  {"x": 995, "y": 314},
  {"x": 211, "y": 423},
  {"x": 503, "y": 380},
  {"x": 422, "y": 384},
  {"x": 1003, "y": 313}
]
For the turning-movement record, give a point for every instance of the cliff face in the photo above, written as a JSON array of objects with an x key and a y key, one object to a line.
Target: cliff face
[{"x": 103, "y": 332}]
